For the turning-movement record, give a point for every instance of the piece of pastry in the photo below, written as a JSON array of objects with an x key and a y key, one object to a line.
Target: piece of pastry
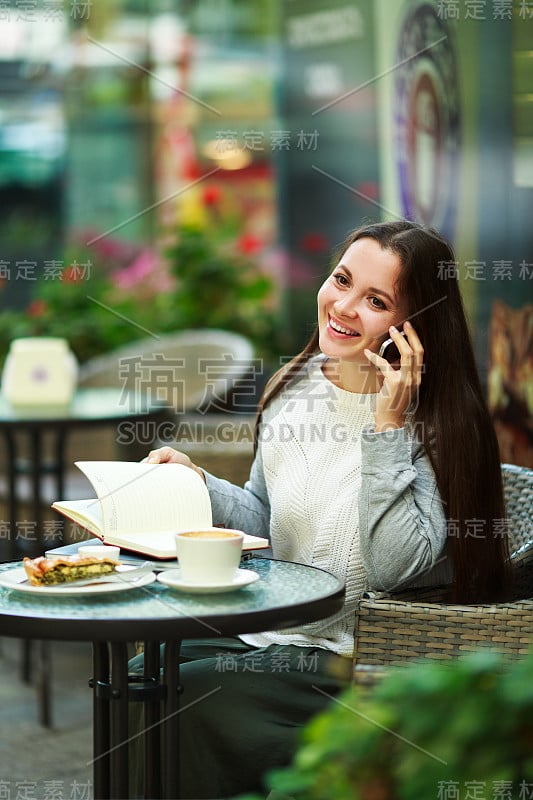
[{"x": 44, "y": 571}]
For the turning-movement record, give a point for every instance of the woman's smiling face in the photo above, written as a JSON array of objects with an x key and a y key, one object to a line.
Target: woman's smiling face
[{"x": 358, "y": 302}]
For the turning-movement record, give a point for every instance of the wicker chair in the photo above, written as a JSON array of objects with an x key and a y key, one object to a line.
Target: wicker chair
[{"x": 414, "y": 625}]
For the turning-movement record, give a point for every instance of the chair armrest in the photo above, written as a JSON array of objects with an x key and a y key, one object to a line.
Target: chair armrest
[
  {"x": 419, "y": 623},
  {"x": 395, "y": 631}
]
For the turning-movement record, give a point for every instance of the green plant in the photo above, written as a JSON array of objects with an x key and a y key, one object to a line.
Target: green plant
[
  {"x": 427, "y": 731},
  {"x": 217, "y": 271},
  {"x": 106, "y": 293},
  {"x": 73, "y": 300},
  {"x": 220, "y": 288}
]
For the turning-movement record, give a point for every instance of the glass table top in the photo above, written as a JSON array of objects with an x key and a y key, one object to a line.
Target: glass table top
[
  {"x": 86, "y": 405},
  {"x": 282, "y": 585}
]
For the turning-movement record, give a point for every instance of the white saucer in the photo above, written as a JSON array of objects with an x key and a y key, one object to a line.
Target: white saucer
[{"x": 173, "y": 579}]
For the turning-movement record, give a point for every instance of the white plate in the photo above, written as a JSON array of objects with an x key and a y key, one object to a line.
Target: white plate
[
  {"x": 173, "y": 579},
  {"x": 16, "y": 579}
]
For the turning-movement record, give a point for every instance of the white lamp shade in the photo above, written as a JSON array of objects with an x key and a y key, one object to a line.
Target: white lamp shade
[{"x": 39, "y": 371}]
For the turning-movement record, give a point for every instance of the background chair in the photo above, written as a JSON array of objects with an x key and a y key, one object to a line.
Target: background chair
[
  {"x": 414, "y": 624},
  {"x": 187, "y": 370},
  {"x": 195, "y": 373}
]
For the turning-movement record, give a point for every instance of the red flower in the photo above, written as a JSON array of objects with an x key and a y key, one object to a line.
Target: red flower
[
  {"x": 37, "y": 308},
  {"x": 249, "y": 244},
  {"x": 211, "y": 196},
  {"x": 71, "y": 274}
]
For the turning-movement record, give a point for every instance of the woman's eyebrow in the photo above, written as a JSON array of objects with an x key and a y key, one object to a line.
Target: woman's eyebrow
[
  {"x": 384, "y": 294},
  {"x": 340, "y": 265}
]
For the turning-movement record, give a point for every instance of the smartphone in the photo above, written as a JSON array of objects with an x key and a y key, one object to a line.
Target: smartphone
[{"x": 389, "y": 351}]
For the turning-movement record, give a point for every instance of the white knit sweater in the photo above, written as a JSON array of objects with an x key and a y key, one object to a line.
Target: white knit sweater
[
  {"x": 333, "y": 493},
  {"x": 311, "y": 452}
]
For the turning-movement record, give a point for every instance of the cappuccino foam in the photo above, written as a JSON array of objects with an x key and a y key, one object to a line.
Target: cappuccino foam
[{"x": 208, "y": 535}]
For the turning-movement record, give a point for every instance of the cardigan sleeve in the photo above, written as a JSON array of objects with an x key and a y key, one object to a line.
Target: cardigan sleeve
[
  {"x": 401, "y": 518},
  {"x": 247, "y": 508}
]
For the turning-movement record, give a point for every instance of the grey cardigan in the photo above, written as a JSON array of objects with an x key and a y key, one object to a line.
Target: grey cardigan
[{"x": 398, "y": 494}]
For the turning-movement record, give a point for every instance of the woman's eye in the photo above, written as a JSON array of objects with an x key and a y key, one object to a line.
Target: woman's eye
[
  {"x": 341, "y": 279},
  {"x": 377, "y": 303}
]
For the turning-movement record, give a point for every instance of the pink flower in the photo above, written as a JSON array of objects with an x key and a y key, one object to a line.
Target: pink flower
[
  {"x": 106, "y": 247},
  {"x": 140, "y": 268}
]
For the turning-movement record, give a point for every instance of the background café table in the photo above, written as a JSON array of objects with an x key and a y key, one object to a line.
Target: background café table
[
  {"x": 24, "y": 428},
  {"x": 286, "y": 594}
]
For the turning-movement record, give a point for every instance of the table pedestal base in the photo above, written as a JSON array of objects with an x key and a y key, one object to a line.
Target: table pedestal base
[{"x": 113, "y": 689}]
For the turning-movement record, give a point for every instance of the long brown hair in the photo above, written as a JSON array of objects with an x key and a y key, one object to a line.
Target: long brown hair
[{"x": 451, "y": 419}]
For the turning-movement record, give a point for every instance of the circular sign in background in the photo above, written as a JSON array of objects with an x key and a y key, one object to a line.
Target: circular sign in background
[{"x": 427, "y": 119}]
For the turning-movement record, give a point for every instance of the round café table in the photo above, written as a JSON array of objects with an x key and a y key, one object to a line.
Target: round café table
[
  {"x": 286, "y": 594},
  {"x": 24, "y": 429}
]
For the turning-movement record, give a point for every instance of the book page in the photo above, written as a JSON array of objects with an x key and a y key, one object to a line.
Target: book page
[
  {"x": 86, "y": 513},
  {"x": 149, "y": 542},
  {"x": 136, "y": 497}
]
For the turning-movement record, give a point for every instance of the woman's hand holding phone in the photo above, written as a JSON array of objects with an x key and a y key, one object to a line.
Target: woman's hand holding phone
[
  {"x": 389, "y": 351},
  {"x": 400, "y": 385}
]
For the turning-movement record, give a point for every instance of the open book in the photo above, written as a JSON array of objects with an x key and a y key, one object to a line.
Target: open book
[{"x": 140, "y": 506}]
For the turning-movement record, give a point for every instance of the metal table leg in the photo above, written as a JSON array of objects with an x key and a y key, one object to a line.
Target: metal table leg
[
  {"x": 58, "y": 466},
  {"x": 100, "y": 684},
  {"x": 12, "y": 472},
  {"x": 119, "y": 721},
  {"x": 35, "y": 469},
  {"x": 44, "y": 671},
  {"x": 170, "y": 722},
  {"x": 152, "y": 716},
  {"x": 112, "y": 690},
  {"x": 25, "y": 660},
  {"x": 43, "y": 652}
]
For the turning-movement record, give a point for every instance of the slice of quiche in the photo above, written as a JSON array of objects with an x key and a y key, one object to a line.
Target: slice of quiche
[{"x": 43, "y": 571}]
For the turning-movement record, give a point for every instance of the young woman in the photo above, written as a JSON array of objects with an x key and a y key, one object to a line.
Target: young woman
[{"x": 375, "y": 471}]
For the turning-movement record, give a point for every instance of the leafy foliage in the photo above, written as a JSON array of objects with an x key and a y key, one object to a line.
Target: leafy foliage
[
  {"x": 427, "y": 731},
  {"x": 70, "y": 303},
  {"x": 107, "y": 293},
  {"x": 219, "y": 288}
]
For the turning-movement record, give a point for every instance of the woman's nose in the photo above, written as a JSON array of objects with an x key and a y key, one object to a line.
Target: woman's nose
[{"x": 346, "y": 306}]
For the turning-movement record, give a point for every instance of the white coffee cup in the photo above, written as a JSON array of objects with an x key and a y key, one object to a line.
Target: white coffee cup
[
  {"x": 99, "y": 551},
  {"x": 209, "y": 556}
]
